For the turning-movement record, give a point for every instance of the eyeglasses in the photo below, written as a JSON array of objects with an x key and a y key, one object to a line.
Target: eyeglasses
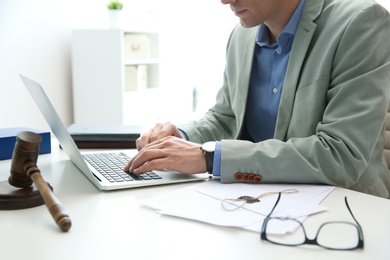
[{"x": 335, "y": 235}]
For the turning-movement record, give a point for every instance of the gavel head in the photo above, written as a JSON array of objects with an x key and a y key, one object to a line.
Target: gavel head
[{"x": 26, "y": 151}]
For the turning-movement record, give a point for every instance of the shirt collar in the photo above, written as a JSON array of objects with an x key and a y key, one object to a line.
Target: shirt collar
[{"x": 284, "y": 40}]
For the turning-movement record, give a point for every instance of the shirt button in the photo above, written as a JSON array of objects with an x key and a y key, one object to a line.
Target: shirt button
[{"x": 275, "y": 90}]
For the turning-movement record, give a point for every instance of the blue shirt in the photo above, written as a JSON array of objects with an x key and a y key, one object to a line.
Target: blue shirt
[{"x": 266, "y": 83}]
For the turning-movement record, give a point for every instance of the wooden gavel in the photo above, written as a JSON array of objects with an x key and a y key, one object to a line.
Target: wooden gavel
[{"x": 25, "y": 172}]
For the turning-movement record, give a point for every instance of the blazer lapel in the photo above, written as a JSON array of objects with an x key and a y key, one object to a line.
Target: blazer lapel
[
  {"x": 303, "y": 36},
  {"x": 246, "y": 68}
]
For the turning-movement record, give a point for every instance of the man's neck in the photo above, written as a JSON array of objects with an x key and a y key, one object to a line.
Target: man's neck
[{"x": 281, "y": 19}]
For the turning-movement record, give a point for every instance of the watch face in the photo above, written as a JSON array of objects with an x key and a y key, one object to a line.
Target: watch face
[{"x": 209, "y": 146}]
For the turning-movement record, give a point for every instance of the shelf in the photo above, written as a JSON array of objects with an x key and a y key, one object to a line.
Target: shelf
[{"x": 108, "y": 64}]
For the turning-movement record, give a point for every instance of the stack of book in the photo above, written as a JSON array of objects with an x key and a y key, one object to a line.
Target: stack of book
[
  {"x": 8, "y": 140},
  {"x": 104, "y": 136}
]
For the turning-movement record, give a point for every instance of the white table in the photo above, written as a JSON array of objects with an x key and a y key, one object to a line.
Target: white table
[{"x": 113, "y": 225}]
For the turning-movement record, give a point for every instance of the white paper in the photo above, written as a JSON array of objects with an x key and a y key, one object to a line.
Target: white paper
[{"x": 202, "y": 202}]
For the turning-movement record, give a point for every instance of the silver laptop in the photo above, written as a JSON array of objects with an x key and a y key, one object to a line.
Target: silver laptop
[{"x": 103, "y": 169}]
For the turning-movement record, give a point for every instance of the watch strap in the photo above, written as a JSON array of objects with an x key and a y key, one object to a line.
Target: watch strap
[{"x": 209, "y": 156}]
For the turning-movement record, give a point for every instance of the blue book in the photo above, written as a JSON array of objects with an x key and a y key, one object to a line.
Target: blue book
[{"x": 8, "y": 139}]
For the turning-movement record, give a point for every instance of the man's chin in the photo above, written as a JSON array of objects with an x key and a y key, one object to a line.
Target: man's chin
[{"x": 246, "y": 24}]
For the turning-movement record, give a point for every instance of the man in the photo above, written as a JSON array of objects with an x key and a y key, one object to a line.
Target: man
[{"x": 304, "y": 99}]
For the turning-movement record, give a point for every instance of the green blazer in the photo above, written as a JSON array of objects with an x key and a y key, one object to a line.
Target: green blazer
[{"x": 330, "y": 124}]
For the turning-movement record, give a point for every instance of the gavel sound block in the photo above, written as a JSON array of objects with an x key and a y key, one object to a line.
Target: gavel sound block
[{"x": 25, "y": 187}]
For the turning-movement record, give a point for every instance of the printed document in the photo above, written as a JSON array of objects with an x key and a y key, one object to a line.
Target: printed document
[{"x": 203, "y": 202}]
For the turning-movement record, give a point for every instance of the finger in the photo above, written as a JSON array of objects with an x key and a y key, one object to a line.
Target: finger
[
  {"x": 158, "y": 144},
  {"x": 145, "y": 139},
  {"x": 154, "y": 132},
  {"x": 149, "y": 166},
  {"x": 168, "y": 129},
  {"x": 134, "y": 163},
  {"x": 144, "y": 156},
  {"x": 142, "y": 141},
  {"x": 139, "y": 143},
  {"x": 129, "y": 163}
]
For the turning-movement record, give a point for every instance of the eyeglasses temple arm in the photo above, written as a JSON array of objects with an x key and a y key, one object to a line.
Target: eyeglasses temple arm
[
  {"x": 262, "y": 233},
  {"x": 360, "y": 227},
  {"x": 276, "y": 203}
]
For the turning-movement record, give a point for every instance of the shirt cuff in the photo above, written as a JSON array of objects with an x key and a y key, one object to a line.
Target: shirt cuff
[
  {"x": 217, "y": 160},
  {"x": 183, "y": 134}
]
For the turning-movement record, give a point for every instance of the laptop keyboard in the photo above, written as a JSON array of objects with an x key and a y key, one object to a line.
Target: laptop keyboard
[{"x": 110, "y": 165}]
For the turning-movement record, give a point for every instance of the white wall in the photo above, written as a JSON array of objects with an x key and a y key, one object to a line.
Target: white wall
[{"x": 35, "y": 40}]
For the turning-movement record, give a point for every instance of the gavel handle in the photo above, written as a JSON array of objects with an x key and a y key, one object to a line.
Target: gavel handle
[{"x": 52, "y": 202}]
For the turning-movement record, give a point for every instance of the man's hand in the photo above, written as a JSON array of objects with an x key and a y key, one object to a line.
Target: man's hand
[
  {"x": 159, "y": 131},
  {"x": 171, "y": 153}
]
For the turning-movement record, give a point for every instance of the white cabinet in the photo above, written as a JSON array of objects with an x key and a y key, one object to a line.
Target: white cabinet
[{"x": 111, "y": 70}]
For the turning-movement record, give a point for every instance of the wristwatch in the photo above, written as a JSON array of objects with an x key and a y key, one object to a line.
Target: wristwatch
[{"x": 208, "y": 149}]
